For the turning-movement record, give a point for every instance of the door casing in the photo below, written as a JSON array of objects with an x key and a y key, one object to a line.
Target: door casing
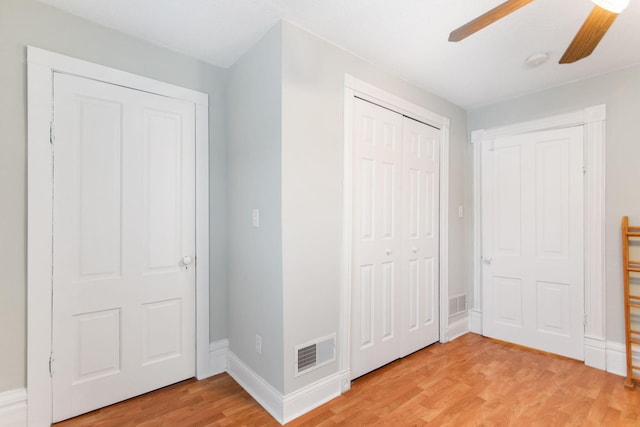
[
  {"x": 354, "y": 87},
  {"x": 41, "y": 66},
  {"x": 593, "y": 120}
]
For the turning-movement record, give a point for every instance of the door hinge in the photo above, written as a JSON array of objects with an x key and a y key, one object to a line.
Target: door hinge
[
  {"x": 52, "y": 132},
  {"x": 584, "y": 169},
  {"x": 51, "y": 359},
  {"x": 584, "y": 322}
]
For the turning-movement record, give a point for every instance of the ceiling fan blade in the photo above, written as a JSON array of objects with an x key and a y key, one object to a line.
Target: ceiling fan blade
[
  {"x": 590, "y": 34},
  {"x": 488, "y": 18}
]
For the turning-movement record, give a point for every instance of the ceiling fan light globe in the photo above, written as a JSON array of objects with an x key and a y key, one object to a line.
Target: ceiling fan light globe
[{"x": 615, "y": 6}]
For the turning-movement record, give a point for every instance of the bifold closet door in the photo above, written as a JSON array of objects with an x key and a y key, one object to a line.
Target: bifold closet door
[
  {"x": 377, "y": 242},
  {"x": 395, "y": 237},
  {"x": 420, "y": 235}
]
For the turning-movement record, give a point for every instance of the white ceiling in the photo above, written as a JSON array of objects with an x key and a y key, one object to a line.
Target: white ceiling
[{"x": 407, "y": 38}]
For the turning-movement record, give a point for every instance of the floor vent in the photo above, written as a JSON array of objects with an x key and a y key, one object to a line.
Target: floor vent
[
  {"x": 314, "y": 354},
  {"x": 457, "y": 304}
]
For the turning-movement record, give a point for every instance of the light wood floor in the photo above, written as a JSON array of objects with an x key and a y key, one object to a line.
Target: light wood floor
[{"x": 472, "y": 381}]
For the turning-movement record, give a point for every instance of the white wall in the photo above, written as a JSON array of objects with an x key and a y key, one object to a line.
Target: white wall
[
  {"x": 254, "y": 177},
  {"x": 312, "y": 141},
  {"x": 620, "y": 91},
  {"x": 25, "y": 22}
]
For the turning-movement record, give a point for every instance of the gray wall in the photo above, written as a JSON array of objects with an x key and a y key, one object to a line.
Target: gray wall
[
  {"x": 25, "y": 22},
  {"x": 620, "y": 91},
  {"x": 254, "y": 176},
  {"x": 312, "y": 141}
]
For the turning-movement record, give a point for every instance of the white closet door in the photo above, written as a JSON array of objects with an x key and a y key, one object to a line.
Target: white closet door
[
  {"x": 395, "y": 237},
  {"x": 532, "y": 210},
  {"x": 377, "y": 244},
  {"x": 420, "y": 234},
  {"x": 124, "y": 221}
]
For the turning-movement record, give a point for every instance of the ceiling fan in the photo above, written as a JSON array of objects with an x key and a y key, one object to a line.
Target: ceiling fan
[{"x": 592, "y": 31}]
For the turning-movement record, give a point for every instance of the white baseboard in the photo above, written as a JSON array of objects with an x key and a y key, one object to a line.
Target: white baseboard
[
  {"x": 267, "y": 396},
  {"x": 310, "y": 397},
  {"x": 13, "y": 408},
  {"x": 456, "y": 329},
  {"x": 617, "y": 358},
  {"x": 608, "y": 356},
  {"x": 218, "y": 356},
  {"x": 475, "y": 321},
  {"x": 345, "y": 380},
  {"x": 595, "y": 353},
  {"x": 286, "y": 408}
]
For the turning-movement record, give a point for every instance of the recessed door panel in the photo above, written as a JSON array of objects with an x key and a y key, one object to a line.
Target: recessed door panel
[
  {"x": 367, "y": 306},
  {"x": 553, "y": 308},
  {"x": 429, "y": 293},
  {"x": 388, "y": 300},
  {"x": 96, "y": 345},
  {"x": 163, "y": 190},
  {"x": 507, "y": 203},
  {"x": 552, "y": 198},
  {"x": 414, "y": 293},
  {"x": 508, "y": 300},
  {"x": 388, "y": 200},
  {"x": 99, "y": 198},
  {"x": 414, "y": 191},
  {"x": 162, "y": 332},
  {"x": 367, "y": 194},
  {"x": 430, "y": 205}
]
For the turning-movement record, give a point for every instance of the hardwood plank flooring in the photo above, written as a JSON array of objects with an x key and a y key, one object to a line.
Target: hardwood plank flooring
[{"x": 472, "y": 381}]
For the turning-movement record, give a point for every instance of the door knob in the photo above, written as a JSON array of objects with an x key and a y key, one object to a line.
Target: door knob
[
  {"x": 388, "y": 252},
  {"x": 415, "y": 250},
  {"x": 186, "y": 260},
  {"x": 487, "y": 260}
]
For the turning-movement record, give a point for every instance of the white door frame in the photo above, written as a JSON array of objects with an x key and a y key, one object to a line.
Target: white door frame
[
  {"x": 41, "y": 66},
  {"x": 352, "y": 88},
  {"x": 593, "y": 120}
]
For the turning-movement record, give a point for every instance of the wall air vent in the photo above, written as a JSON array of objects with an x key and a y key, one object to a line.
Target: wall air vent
[
  {"x": 312, "y": 355},
  {"x": 457, "y": 304},
  {"x": 307, "y": 357}
]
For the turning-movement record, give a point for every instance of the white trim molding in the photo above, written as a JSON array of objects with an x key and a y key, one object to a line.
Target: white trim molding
[
  {"x": 457, "y": 329},
  {"x": 616, "y": 354},
  {"x": 354, "y": 87},
  {"x": 475, "y": 321},
  {"x": 13, "y": 408},
  {"x": 284, "y": 408},
  {"x": 593, "y": 119},
  {"x": 42, "y": 65},
  {"x": 595, "y": 353},
  {"x": 263, "y": 392},
  {"x": 310, "y": 397},
  {"x": 218, "y": 357}
]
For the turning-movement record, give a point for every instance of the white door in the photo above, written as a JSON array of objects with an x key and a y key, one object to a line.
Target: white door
[
  {"x": 532, "y": 236},
  {"x": 395, "y": 237},
  {"x": 420, "y": 234},
  {"x": 124, "y": 241}
]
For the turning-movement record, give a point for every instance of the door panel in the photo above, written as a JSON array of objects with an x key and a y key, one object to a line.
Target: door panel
[
  {"x": 532, "y": 192},
  {"x": 124, "y": 216},
  {"x": 420, "y": 240},
  {"x": 376, "y": 243}
]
